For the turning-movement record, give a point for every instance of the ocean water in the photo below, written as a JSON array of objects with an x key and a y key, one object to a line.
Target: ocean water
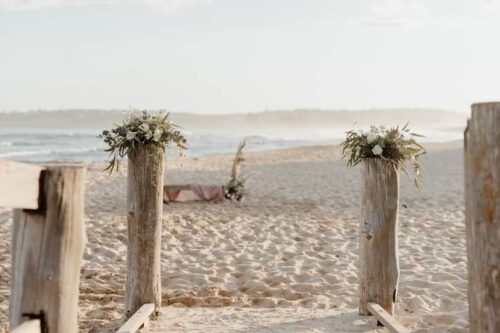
[{"x": 43, "y": 145}]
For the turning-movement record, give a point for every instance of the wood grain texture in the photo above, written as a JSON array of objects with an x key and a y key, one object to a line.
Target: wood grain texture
[
  {"x": 378, "y": 242},
  {"x": 19, "y": 184},
  {"x": 386, "y": 319},
  {"x": 145, "y": 209},
  {"x": 482, "y": 214},
  {"x": 139, "y": 320},
  {"x": 47, "y": 251}
]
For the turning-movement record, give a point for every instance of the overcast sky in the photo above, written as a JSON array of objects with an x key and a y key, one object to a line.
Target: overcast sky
[{"x": 220, "y": 56}]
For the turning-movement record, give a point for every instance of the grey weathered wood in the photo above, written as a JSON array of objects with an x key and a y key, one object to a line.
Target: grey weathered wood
[
  {"x": 140, "y": 319},
  {"x": 30, "y": 326},
  {"x": 378, "y": 242},
  {"x": 20, "y": 184},
  {"x": 482, "y": 214},
  {"x": 145, "y": 208},
  {"x": 47, "y": 251},
  {"x": 386, "y": 319}
]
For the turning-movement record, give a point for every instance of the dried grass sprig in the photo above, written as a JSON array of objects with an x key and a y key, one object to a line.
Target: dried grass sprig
[{"x": 235, "y": 187}]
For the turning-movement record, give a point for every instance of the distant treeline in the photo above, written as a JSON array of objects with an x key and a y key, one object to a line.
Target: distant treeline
[{"x": 300, "y": 118}]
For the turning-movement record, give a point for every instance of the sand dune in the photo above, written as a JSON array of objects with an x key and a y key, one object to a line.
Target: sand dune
[{"x": 291, "y": 246}]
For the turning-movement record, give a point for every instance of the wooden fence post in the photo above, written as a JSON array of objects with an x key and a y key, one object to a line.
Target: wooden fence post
[
  {"x": 482, "y": 213},
  {"x": 378, "y": 242},
  {"x": 47, "y": 252},
  {"x": 145, "y": 208}
]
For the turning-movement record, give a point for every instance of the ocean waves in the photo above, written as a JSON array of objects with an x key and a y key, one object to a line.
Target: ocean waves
[{"x": 42, "y": 145}]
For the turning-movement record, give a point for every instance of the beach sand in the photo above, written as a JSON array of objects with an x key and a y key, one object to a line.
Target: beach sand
[{"x": 283, "y": 260}]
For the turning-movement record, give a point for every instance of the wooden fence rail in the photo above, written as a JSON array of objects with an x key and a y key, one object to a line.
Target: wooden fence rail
[
  {"x": 139, "y": 320},
  {"x": 30, "y": 326},
  {"x": 19, "y": 184},
  {"x": 47, "y": 245},
  {"x": 384, "y": 318}
]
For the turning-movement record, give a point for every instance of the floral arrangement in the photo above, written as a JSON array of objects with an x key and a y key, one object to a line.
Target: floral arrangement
[
  {"x": 141, "y": 128},
  {"x": 393, "y": 145}
]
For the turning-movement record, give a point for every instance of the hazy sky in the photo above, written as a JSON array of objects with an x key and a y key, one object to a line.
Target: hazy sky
[{"x": 219, "y": 56}]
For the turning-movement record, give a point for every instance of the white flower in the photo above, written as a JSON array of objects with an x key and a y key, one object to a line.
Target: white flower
[
  {"x": 377, "y": 150},
  {"x": 144, "y": 128},
  {"x": 149, "y": 134},
  {"x": 371, "y": 137},
  {"x": 157, "y": 135},
  {"x": 131, "y": 135}
]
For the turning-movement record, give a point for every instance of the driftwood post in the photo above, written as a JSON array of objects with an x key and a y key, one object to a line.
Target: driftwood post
[
  {"x": 482, "y": 213},
  {"x": 47, "y": 251},
  {"x": 145, "y": 207},
  {"x": 378, "y": 243}
]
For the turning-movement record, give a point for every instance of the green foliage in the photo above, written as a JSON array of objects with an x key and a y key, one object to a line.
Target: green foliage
[
  {"x": 141, "y": 128},
  {"x": 393, "y": 145}
]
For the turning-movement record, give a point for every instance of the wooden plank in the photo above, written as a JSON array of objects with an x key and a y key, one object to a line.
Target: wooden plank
[
  {"x": 47, "y": 252},
  {"x": 482, "y": 216},
  {"x": 378, "y": 237},
  {"x": 140, "y": 319},
  {"x": 144, "y": 219},
  {"x": 19, "y": 183},
  {"x": 30, "y": 326},
  {"x": 386, "y": 319}
]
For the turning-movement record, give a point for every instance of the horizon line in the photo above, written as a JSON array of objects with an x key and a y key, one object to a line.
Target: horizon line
[{"x": 237, "y": 113}]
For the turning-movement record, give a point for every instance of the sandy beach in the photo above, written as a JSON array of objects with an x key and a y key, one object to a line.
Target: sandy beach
[{"x": 290, "y": 247}]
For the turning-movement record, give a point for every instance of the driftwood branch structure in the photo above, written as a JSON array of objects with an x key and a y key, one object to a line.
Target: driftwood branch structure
[
  {"x": 482, "y": 212},
  {"x": 47, "y": 251},
  {"x": 378, "y": 242},
  {"x": 145, "y": 208}
]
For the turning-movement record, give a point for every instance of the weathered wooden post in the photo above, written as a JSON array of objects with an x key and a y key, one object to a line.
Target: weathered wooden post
[
  {"x": 145, "y": 208},
  {"x": 378, "y": 243},
  {"x": 482, "y": 214},
  {"x": 47, "y": 252}
]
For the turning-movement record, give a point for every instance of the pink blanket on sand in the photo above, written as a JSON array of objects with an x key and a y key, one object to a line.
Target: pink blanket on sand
[{"x": 213, "y": 193}]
